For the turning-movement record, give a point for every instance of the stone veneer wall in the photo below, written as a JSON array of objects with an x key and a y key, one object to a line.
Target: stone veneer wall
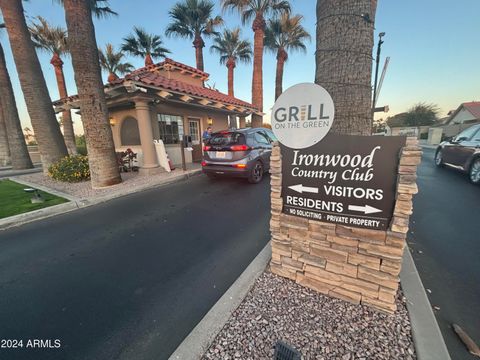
[{"x": 354, "y": 264}]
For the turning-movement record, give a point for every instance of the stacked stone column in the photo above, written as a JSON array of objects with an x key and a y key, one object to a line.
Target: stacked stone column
[{"x": 358, "y": 265}]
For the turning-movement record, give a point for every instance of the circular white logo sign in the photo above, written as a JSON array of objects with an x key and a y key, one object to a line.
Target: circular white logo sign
[{"x": 302, "y": 115}]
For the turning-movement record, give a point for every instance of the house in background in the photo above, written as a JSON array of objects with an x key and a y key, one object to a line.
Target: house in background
[
  {"x": 164, "y": 102},
  {"x": 466, "y": 115}
]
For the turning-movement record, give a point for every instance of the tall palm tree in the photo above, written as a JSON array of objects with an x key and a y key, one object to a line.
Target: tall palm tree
[
  {"x": 19, "y": 155},
  {"x": 53, "y": 39},
  {"x": 231, "y": 49},
  {"x": 39, "y": 105},
  {"x": 111, "y": 61},
  {"x": 88, "y": 78},
  {"x": 5, "y": 158},
  {"x": 344, "y": 61},
  {"x": 283, "y": 35},
  {"x": 192, "y": 19},
  {"x": 143, "y": 44},
  {"x": 257, "y": 10}
]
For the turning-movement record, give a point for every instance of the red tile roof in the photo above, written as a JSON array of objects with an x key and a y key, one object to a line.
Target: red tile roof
[
  {"x": 473, "y": 107},
  {"x": 182, "y": 66},
  {"x": 147, "y": 76}
]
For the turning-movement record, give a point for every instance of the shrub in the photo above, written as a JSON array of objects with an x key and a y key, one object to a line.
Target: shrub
[
  {"x": 82, "y": 150},
  {"x": 70, "y": 169}
]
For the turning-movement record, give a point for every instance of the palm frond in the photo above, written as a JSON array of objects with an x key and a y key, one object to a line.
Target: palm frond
[
  {"x": 229, "y": 46},
  {"x": 141, "y": 43},
  {"x": 52, "y": 39},
  {"x": 286, "y": 33},
  {"x": 190, "y": 18},
  {"x": 111, "y": 61}
]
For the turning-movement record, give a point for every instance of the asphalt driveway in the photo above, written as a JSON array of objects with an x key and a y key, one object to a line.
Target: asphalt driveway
[{"x": 130, "y": 278}]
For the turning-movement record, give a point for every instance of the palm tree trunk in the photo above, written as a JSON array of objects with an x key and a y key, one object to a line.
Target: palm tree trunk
[
  {"x": 98, "y": 134},
  {"x": 230, "y": 66},
  {"x": 68, "y": 132},
  {"x": 282, "y": 57},
  {"x": 199, "y": 44},
  {"x": 148, "y": 60},
  {"x": 344, "y": 61},
  {"x": 5, "y": 158},
  {"x": 16, "y": 141},
  {"x": 39, "y": 105},
  {"x": 112, "y": 77},
  {"x": 257, "y": 79}
]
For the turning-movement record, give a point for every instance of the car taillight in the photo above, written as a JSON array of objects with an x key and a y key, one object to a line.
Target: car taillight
[
  {"x": 239, "y": 148},
  {"x": 240, "y": 166},
  {"x": 206, "y": 147},
  {"x": 204, "y": 163}
]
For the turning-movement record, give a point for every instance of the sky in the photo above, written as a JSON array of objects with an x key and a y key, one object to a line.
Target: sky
[{"x": 432, "y": 45}]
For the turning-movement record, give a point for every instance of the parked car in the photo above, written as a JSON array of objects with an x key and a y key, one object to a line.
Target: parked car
[
  {"x": 239, "y": 153},
  {"x": 462, "y": 152}
]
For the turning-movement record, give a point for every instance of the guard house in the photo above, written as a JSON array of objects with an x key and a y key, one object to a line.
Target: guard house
[{"x": 165, "y": 101}]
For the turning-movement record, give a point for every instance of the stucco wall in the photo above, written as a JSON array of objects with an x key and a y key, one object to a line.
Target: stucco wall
[
  {"x": 220, "y": 122},
  {"x": 462, "y": 116}
]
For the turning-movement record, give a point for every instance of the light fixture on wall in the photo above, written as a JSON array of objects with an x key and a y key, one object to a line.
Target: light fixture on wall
[
  {"x": 112, "y": 121},
  {"x": 209, "y": 121}
]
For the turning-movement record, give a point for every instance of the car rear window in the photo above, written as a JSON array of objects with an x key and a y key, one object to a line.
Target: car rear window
[{"x": 227, "y": 139}]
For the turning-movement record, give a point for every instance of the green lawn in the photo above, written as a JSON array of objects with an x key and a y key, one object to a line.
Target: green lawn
[{"x": 14, "y": 200}]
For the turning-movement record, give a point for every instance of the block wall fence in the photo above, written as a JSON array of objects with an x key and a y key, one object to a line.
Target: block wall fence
[{"x": 358, "y": 265}]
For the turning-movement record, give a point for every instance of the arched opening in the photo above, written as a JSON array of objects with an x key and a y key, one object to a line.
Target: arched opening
[{"x": 129, "y": 134}]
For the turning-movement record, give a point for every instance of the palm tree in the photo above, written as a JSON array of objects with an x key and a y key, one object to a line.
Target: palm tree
[
  {"x": 192, "y": 19},
  {"x": 88, "y": 78},
  {"x": 283, "y": 35},
  {"x": 39, "y": 105},
  {"x": 149, "y": 46},
  {"x": 20, "y": 157},
  {"x": 5, "y": 158},
  {"x": 344, "y": 61},
  {"x": 231, "y": 49},
  {"x": 111, "y": 62},
  {"x": 257, "y": 10},
  {"x": 53, "y": 39}
]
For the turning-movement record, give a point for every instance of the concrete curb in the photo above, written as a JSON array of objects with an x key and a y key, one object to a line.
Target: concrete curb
[
  {"x": 433, "y": 147},
  {"x": 77, "y": 203},
  {"x": 24, "y": 218},
  {"x": 428, "y": 339},
  {"x": 201, "y": 337}
]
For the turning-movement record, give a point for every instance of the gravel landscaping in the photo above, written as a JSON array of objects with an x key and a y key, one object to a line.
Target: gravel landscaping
[
  {"x": 318, "y": 326},
  {"x": 83, "y": 190}
]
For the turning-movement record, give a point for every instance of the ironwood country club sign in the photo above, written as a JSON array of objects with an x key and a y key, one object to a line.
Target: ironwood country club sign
[{"x": 342, "y": 179}]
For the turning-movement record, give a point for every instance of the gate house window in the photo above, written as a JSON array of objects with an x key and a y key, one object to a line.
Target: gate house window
[
  {"x": 171, "y": 128},
  {"x": 193, "y": 127}
]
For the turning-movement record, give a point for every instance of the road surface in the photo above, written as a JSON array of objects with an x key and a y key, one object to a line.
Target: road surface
[
  {"x": 128, "y": 279},
  {"x": 445, "y": 243}
]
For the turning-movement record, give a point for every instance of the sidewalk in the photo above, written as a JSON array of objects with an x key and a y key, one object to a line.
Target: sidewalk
[
  {"x": 82, "y": 195},
  {"x": 7, "y": 171},
  {"x": 424, "y": 144}
]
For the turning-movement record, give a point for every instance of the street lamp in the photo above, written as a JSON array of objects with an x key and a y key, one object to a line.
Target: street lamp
[{"x": 379, "y": 49}]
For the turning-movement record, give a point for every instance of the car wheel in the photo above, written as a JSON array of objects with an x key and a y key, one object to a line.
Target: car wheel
[
  {"x": 256, "y": 174},
  {"x": 439, "y": 158},
  {"x": 474, "y": 172}
]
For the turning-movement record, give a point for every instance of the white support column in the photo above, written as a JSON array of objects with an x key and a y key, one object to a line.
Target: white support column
[
  {"x": 146, "y": 134},
  {"x": 242, "y": 122}
]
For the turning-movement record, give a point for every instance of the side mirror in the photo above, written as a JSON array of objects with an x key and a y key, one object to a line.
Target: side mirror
[{"x": 460, "y": 139}]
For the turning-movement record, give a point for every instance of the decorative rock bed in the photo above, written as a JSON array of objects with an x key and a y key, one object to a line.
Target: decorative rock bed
[{"x": 318, "y": 326}]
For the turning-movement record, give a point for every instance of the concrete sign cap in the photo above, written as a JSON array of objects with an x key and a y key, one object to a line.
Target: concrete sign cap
[{"x": 302, "y": 115}]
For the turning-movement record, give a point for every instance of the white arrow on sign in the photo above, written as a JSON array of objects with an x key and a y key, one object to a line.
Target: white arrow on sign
[
  {"x": 367, "y": 209},
  {"x": 301, "y": 189}
]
